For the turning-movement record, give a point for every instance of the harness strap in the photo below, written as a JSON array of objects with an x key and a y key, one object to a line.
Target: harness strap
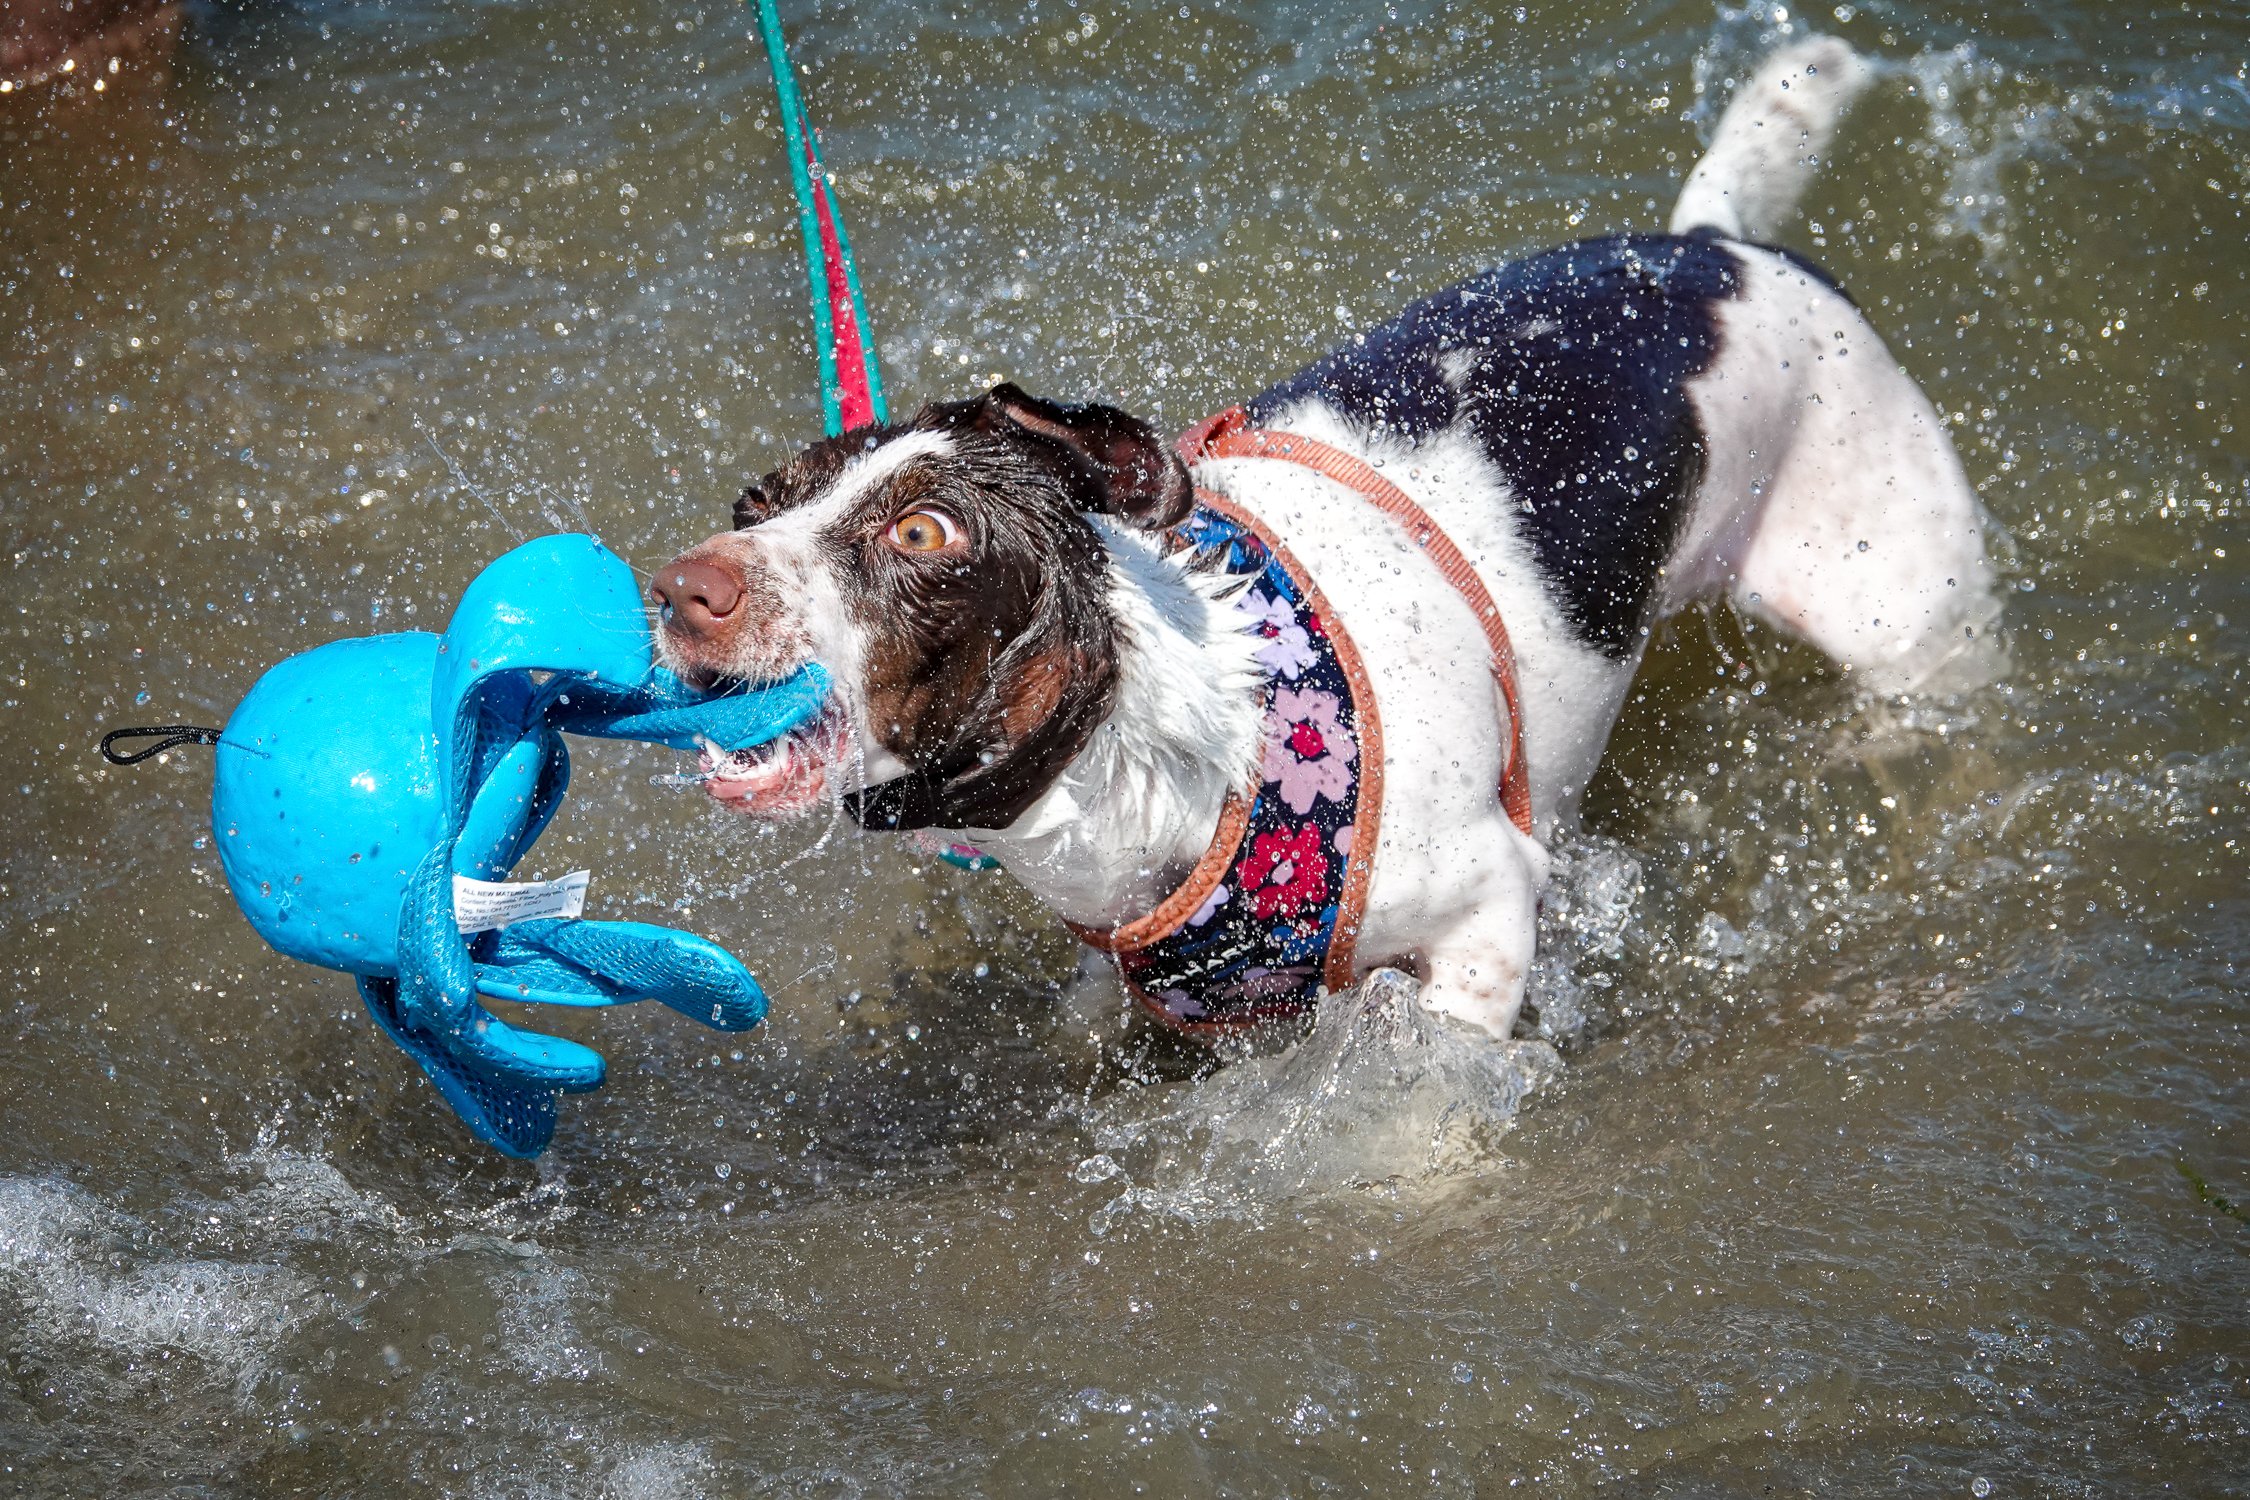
[
  {"x": 1230, "y": 435},
  {"x": 1338, "y": 967},
  {"x": 1175, "y": 909}
]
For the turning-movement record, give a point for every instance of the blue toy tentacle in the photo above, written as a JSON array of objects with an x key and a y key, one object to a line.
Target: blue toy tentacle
[
  {"x": 666, "y": 711},
  {"x": 517, "y": 1121},
  {"x": 433, "y": 1013},
  {"x": 639, "y": 960}
]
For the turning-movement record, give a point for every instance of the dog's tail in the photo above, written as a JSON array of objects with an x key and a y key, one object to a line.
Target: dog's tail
[{"x": 1771, "y": 139}]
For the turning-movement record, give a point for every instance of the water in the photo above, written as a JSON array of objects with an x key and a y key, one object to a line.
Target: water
[{"x": 1899, "y": 1099}]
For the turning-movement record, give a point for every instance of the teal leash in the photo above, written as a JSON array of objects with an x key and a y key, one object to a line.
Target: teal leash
[{"x": 851, "y": 390}]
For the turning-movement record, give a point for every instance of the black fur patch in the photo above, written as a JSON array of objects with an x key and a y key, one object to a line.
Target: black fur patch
[
  {"x": 1806, "y": 264},
  {"x": 1571, "y": 368}
]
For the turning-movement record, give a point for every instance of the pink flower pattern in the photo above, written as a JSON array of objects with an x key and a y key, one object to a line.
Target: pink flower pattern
[
  {"x": 1286, "y": 648},
  {"x": 1309, "y": 753},
  {"x": 1259, "y": 944}
]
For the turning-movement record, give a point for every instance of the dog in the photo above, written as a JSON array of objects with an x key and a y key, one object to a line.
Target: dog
[{"x": 1313, "y": 697}]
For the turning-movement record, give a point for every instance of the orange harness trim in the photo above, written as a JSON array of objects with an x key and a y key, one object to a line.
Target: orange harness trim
[
  {"x": 1230, "y": 435},
  {"x": 1337, "y": 970}
]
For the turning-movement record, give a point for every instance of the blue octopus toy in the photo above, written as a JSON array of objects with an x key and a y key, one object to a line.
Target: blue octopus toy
[{"x": 372, "y": 796}]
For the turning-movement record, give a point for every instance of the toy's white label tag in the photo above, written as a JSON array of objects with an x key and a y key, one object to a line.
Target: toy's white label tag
[{"x": 481, "y": 905}]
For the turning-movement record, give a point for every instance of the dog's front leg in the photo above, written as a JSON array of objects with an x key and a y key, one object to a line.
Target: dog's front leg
[
  {"x": 1480, "y": 985},
  {"x": 1475, "y": 971}
]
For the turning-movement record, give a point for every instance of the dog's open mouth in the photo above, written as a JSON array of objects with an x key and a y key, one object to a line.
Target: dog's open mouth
[{"x": 783, "y": 777}]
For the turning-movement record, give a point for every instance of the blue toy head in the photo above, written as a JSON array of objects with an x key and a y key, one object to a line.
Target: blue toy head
[
  {"x": 357, "y": 781},
  {"x": 326, "y": 798}
]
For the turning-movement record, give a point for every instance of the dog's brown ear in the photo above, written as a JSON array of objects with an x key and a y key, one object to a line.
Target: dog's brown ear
[{"x": 1142, "y": 478}]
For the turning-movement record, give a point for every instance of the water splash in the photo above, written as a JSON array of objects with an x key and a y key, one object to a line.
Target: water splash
[
  {"x": 537, "y": 1299},
  {"x": 1381, "y": 1089},
  {"x": 302, "y": 1199},
  {"x": 1595, "y": 890},
  {"x": 1982, "y": 139},
  {"x": 87, "y": 1282},
  {"x": 659, "y": 1471}
]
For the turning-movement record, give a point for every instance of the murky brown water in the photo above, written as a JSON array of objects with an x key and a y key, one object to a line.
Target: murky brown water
[{"x": 1896, "y": 1040}]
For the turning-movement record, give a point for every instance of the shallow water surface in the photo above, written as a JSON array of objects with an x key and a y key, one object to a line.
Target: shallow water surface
[{"x": 1896, "y": 1142}]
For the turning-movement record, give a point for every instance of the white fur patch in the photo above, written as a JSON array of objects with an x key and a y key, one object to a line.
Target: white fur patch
[
  {"x": 865, "y": 472},
  {"x": 1138, "y": 804},
  {"x": 788, "y": 546}
]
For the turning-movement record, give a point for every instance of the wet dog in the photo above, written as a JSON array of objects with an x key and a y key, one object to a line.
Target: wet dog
[{"x": 1043, "y": 647}]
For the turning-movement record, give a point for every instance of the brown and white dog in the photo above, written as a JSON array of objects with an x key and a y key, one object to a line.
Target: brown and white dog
[{"x": 1607, "y": 432}]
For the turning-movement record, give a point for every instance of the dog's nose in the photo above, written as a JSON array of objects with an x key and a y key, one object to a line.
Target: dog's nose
[{"x": 696, "y": 597}]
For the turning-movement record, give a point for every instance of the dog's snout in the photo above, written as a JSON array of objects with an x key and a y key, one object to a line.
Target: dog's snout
[{"x": 696, "y": 597}]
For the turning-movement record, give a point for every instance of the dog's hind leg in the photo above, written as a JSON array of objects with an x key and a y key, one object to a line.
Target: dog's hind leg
[
  {"x": 1833, "y": 505},
  {"x": 1852, "y": 523}
]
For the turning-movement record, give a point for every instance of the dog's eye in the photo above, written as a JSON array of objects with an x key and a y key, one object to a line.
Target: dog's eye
[
  {"x": 754, "y": 506},
  {"x": 924, "y": 531}
]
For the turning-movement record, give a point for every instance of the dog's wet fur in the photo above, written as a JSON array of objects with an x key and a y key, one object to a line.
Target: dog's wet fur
[
  {"x": 1609, "y": 431},
  {"x": 992, "y": 658}
]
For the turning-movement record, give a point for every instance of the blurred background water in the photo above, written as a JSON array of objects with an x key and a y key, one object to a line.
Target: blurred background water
[{"x": 1898, "y": 1142}]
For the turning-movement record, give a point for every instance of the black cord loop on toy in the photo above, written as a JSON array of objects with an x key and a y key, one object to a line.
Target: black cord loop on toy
[{"x": 173, "y": 735}]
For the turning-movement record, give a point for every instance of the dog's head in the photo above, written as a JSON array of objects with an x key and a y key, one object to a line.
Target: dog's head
[{"x": 949, "y": 575}]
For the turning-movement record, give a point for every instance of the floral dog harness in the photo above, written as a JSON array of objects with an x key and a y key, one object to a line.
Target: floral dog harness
[
  {"x": 1269, "y": 919},
  {"x": 1255, "y": 930}
]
